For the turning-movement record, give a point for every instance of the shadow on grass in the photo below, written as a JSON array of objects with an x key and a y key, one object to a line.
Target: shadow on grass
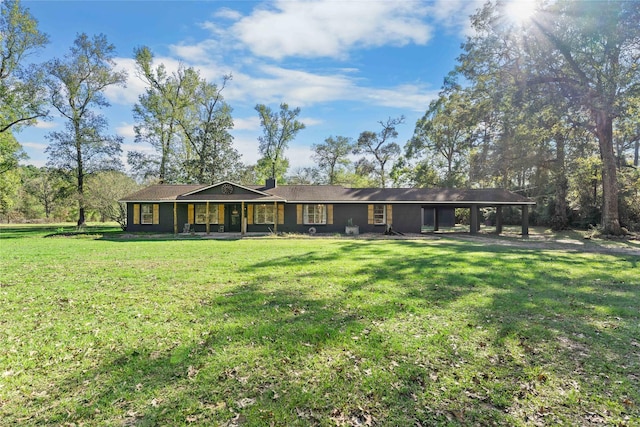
[
  {"x": 52, "y": 230},
  {"x": 399, "y": 334}
]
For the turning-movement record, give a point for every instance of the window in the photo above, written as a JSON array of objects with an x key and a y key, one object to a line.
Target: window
[
  {"x": 146, "y": 214},
  {"x": 264, "y": 214},
  {"x": 201, "y": 214},
  {"x": 315, "y": 214},
  {"x": 379, "y": 215}
]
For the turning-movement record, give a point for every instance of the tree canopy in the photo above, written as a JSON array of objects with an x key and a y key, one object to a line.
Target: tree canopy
[
  {"x": 77, "y": 84},
  {"x": 22, "y": 89},
  {"x": 279, "y": 128}
]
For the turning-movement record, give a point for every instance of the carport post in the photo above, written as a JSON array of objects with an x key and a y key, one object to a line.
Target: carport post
[
  {"x": 525, "y": 220},
  {"x": 499, "y": 219},
  {"x": 436, "y": 220},
  {"x": 473, "y": 228}
]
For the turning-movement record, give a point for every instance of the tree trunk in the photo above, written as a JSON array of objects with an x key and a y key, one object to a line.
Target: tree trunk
[
  {"x": 610, "y": 214},
  {"x": 636, "y": 152},
  {"x": 560, "y": 220},
  {"x": 80, "y": 175}
]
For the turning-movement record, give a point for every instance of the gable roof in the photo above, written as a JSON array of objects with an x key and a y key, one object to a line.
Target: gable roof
[
  {"x": 331, "y": 194},
  {"x": 254, "y": 189}
]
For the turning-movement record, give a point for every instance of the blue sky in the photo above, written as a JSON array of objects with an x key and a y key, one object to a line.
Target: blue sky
[{"x": 346, "y": 64}]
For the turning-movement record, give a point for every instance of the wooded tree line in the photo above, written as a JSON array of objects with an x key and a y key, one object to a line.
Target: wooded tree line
[{"x": 548, "y": 107}]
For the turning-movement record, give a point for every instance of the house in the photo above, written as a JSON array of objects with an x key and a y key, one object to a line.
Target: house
[{"x": 230, "y": 207}]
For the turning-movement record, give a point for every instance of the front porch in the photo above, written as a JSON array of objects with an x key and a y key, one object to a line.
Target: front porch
[{"x": 215, "y": 218}]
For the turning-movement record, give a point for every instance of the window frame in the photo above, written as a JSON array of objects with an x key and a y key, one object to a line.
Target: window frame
[
  {"x": 261, "y": 214},
  {"x": 146, "y": 218},
  {"x": 379, "y": 218},
  {"x": 213, "y": 213},
  {"x": 311, "y": 218}
]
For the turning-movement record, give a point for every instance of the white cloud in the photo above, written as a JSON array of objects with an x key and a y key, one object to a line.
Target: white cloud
[
  {"x": 125, "y": 95},
  {"x": 406, "y": 96},
  {"x": 247, "y": 145},
  {"x": 299, "y": 155},
  {"x": 246, "y": 123},
  {"x": 310, "y": 121},
  {"x": 35, "y": 145},
  {"x": 327, "y": 28},
  {"x": 301, "y": 88},
  {"x": 226, "y": 13},
  {"x": 455, "y": 13},
  {"x": 270, "y": 84},
  {"x": 126, "y": 130},
  {"x": 45, "y": 125},
  {"x": 201, "y": 52}
]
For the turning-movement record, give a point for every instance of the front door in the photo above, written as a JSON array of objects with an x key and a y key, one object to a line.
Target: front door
[{"x": 233, "y": 216}]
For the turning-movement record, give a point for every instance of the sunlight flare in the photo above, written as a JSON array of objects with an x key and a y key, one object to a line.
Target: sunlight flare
[{"x": 520, "y": 11}]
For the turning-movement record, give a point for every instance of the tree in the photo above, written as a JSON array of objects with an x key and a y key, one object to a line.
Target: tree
[
  {"x": 206, "y": 123},
  {"x": 104, "y": 189},
  {"x": 304, "y": 176},
  {"x": 10, "y": 152},
  {"x": 48, "y": 187},
  {"x": 443, "y": 137},
  {"x": 9, "y": 173},
  {"x": 381, "y": 147},
  {"x": 332, "y": 155},
  {"x": 77, "y": 84},
  {"x": 157, "y": 114},
  {"x": 279, "y": 128},
  {"x": 583, "y": 52},
  {"x": 22, "y": 88}
]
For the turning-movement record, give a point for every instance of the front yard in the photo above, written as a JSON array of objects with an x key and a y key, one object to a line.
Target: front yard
[{"x": 101, "y": 330}]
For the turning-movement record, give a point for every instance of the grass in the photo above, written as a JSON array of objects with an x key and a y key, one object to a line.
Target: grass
[{"x": 100, "y": 330}]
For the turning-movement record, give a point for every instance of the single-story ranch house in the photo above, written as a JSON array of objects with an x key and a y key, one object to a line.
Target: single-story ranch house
[{"x": 230, "y": 207}]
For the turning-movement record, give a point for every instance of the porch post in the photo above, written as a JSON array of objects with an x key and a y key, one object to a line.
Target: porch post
[
  {"x": 473, "y": 227},
  {"x": 436, "y": 219},
  {"x": 208, "y": 226},
  {"x": 243, "y": 220},
  {"x": 175, "y": 217},
  {"x": 525, "y": 220},
  {"x": 499, "y": 219},
  {"x": 275, "y": 216}
]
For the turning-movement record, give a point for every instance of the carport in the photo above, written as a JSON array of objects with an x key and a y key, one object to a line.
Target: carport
[{"x": 477, "y": 199}]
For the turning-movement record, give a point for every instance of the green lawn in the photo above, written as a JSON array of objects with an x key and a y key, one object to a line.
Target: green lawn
[{"x": 100, "y": 330}]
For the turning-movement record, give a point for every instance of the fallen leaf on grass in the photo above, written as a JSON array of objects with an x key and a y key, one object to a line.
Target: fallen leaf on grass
[
  {"x": 191, "y": 372},
  {"x": 245, "y": 402}
]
